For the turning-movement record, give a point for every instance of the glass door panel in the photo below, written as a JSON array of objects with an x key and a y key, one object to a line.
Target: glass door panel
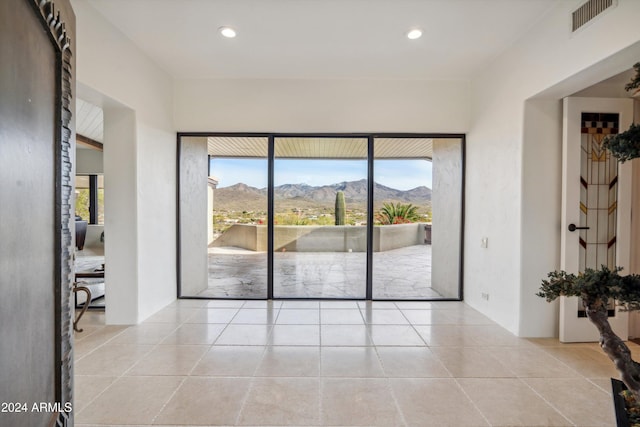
[
  {"x": 224, "y": 217},
  {"x": 320, "y": 216},
  {"x": 417, "y": 218}
]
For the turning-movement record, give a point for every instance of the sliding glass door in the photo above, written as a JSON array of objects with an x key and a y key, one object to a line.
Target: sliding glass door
[
  {"x": 330, "y": 216},
  {"x": 418, "y": 218},
  {"x": 320, "y": 211},
  {"x": 223, "y": 217}
]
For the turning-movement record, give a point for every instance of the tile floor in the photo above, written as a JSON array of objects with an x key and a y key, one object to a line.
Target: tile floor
[{"x": 335, "y": 363}]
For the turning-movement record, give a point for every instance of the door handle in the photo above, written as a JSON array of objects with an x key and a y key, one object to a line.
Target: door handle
[{"x": 572, "y": 227}]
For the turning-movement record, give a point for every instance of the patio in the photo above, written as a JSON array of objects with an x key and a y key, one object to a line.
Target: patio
[{"x": 403, "y": 273}]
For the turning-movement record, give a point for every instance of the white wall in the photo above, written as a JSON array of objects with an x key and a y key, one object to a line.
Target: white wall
[
  {"x": 88, "y": 162},
  {"x": 321, "y": 106},
  {"x": 541, "y": 206},
  {"x": 121, "y": 243},
  {"x": 156, "y": 217},
  {"x": 510, "y": 157},
  {"x": 112, "y": 71}
]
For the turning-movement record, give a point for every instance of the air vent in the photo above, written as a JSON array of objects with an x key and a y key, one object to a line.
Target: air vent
[{"x": 588, "y": 11}]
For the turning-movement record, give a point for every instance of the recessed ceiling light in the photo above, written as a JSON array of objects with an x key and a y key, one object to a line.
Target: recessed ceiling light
[
  {"x": 227, "y": 32},
  {"x": 415, "y": 33}
]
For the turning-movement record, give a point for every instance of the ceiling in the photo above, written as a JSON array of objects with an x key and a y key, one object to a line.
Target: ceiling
[
  {"x": 324, "y": 39},
  {"x": 305, "y": 147},
  {"x": 89, "y": 121}
]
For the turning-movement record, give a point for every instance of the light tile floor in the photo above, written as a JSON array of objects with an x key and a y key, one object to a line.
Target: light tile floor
[{"x": 337, "y": 363}]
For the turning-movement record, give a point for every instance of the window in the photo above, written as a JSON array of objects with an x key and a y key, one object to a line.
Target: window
[{"x": 90, "y": 198}]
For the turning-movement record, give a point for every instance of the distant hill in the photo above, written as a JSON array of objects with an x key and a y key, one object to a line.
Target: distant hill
[{"x": 241, "y": 197}]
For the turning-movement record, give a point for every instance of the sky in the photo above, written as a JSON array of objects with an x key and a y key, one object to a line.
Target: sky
[{"x": 398, "y": 174}]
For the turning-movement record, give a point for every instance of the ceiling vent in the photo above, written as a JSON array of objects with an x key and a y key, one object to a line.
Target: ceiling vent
[{"x": 588, "y": 11}]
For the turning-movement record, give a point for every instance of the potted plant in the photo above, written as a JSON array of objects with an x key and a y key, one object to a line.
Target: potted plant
[
  {"x": 596, "y": 289},
  {"x": 626, "y": 145}
]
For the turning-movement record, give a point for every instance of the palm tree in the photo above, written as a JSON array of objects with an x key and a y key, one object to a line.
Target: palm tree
[{"x": 399, "y": 213}]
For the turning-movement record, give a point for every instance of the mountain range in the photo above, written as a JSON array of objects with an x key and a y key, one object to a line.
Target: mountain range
[{"x": 244, "y": 197}]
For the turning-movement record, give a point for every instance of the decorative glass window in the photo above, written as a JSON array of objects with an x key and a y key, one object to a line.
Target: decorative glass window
[{"x": 598, "y": 192}]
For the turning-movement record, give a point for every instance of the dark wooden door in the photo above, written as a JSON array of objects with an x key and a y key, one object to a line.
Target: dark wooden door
[{"x": 30, "y": 217}]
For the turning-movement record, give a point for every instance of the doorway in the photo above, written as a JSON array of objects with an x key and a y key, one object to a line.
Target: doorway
[
  {"x": 596, "y": 197},
  {"x": 37, "y": 80}
]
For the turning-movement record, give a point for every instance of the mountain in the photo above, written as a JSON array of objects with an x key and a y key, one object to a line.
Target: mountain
[
  {"x": 289, "y": 191},
  {"x": 240, "y": 197},
  {"x": 354, "y": 191}
]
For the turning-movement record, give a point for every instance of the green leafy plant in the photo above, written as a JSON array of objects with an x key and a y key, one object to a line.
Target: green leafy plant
[
  {"x": 399, "y": 213},
  {"x": 626, "y": 145},
  {"x": 596, "y": 289},
  {"x": 341, "y": 210},
  {"x": 635, "y": 82}
]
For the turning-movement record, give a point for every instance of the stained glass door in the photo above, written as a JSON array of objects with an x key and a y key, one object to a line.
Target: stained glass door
[{"x": 596, "y": 200}]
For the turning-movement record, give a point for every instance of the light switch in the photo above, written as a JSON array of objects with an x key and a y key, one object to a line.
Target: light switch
[{"x": 484, "y": 243}]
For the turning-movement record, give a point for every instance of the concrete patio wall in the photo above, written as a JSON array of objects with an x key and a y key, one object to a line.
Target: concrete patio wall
[
  {"x": 304, "y": 238},
  {"x": 446, "y": 210},
  {"x": 245, "y": 236},
  {"x": 396, "y": 236},
  {"x": 340, "y": 238},
  {"x": 193, "y": 215}
]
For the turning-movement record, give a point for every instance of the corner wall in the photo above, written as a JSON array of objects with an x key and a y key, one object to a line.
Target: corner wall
[
  {"x": 513, "y": 173},
  {"x": 111, "y": 70}
]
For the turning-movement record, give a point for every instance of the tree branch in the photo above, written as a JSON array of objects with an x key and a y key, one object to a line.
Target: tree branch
[{"x": 614, "y": 347}]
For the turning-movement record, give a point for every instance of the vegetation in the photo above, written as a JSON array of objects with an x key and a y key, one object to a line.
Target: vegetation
[
  {"x": 635, "y": 81},
  {"x": 82, "y": 204},
  {"x": 397, "y": 213},
  {"x": 632, "y": 406},
  {"x": 596, "y": 289},
  {"x": 320, "y": 216},
  {"x": 626, "y": 145},
  {"x": 223, "y": 220},
  {"x": 297, "y": 219},
  {"x": 341, "y": 211}
]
